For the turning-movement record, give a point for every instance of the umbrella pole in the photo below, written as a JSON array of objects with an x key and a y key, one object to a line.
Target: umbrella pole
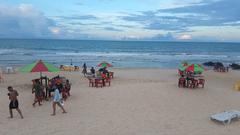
[{"x": 41, "y": 77}]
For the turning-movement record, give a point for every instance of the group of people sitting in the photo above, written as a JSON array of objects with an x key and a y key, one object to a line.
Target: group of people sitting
[
  {"x": 188, "y": 80},
  {"x": 100, "y": 78},
  {"x": 60, "y": 83}
]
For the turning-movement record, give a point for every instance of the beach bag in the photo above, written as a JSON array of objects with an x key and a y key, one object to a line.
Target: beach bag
[{"x": 62, "y": 102}]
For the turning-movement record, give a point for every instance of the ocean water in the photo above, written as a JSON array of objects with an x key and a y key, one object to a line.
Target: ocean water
[{"x": 130, "y": 54}]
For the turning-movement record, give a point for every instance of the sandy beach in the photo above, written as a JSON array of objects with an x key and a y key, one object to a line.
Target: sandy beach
[{"x": 138, "y": 102}]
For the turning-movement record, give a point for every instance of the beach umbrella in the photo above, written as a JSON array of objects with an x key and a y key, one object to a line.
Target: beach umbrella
[
  {"x": 183, "y": 66},
  {"x": 39, "y": 66},
  {"x": 104, "y": 64},
  {"x": 196, "y": 68}
]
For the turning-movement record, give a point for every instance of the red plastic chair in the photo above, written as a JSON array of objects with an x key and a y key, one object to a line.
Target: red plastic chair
[
  {"x": 111, "y": 74},
  {"x": 180, "y": 72},
  {"x": 91, "y": 82},
  {"x": 107, "y": 81},
  {"x": 99, "y": 83},
  {"x": 201, "y": 82},
  {"x": 193, "y": 83},
  {"x": 182, "y": 82}
]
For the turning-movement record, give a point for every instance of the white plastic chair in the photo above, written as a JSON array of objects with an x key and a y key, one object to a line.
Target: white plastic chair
[
  {"x": 10, "y": 70},
  {"x": 226, "y": 117}
]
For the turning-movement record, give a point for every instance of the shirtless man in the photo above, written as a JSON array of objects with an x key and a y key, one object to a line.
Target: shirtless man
[{"x": 13, "y": 101}]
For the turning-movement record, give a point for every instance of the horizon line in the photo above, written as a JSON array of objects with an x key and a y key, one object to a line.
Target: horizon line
[{"x": 115, "y": 40}]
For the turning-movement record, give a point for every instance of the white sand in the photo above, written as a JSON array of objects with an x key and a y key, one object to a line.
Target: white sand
[{"x": 138, "y": 102}]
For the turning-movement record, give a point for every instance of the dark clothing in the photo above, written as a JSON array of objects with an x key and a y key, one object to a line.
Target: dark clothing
[
  {"x": 38, "y": 90},
  {"x": 84, "y": 68},
  {"x": 92, "y": 70},
  {"x": 100, "y": 70},
  {"x": 13, "y": 104},
  {"x": 105, "y": 71}
]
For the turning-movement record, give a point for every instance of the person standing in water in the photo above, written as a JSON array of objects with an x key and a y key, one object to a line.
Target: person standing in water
[{"x": 13, "y": 101}]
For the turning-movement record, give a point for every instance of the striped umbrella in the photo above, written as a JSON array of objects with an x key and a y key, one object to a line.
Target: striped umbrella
[
  {"x": 39, "y": 66},
  {"x": 196, "y": 68},
  {"x": 104, "y": 64},
  {"x": 183, "y": 66}
]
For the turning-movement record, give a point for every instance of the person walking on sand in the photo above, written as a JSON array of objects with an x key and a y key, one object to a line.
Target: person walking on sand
[
  {"x": 38, "y": 90},
  {"x": 84, "y": 71},
  {"x": 57, "y": 99},
  {"x": 13, "y": 101}
]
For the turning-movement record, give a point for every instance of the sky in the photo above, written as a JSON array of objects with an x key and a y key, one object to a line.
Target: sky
[{"x": 157, "y": 20}]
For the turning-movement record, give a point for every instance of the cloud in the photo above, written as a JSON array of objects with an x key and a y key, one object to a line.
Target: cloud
[
  {"x": 78, "y": 17},
  {"x": 204, "y": 13},
  {"x": 162, "y": 37},
  {"x": 55, "y": 30},
  {"x": 111, "y": 29},
  {"x": 211, "y": 14},
  {"x": 84, "y": 24},
  {"x": 158, "y": 37},
  {"x": 24, "y": 21},
  {"x": 185, "y": 37}
]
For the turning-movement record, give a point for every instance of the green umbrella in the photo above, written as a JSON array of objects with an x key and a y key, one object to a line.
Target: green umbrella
[
  {"x": 183, "y": 66},
  {"x": 39, "y": 66},
  {"x": 104, "y": 64},
  {"x": 196, "y": 68}
]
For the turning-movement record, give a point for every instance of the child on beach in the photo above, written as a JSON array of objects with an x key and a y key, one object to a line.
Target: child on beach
[
  {"x": 57, "y": 99},
  {"x": 13, "y": 101}
]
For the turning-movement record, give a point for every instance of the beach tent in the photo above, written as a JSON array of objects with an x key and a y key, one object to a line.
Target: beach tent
[{"x": 104, "y": 64}]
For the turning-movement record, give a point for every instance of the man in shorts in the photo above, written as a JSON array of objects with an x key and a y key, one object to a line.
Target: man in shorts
[{"x": 13, "y": 101}]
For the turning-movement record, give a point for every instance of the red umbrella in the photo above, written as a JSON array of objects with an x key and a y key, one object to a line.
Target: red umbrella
[
  {"x": 39, "y": 66},
  {"x": 196, "y": 68},
  {"x": 104, "y": 64}
]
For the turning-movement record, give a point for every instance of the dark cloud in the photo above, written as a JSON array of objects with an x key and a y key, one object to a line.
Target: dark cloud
[
  {"x": 84, "y": 24},
  {"x": 24, "y": 21},
  {"x": 78, "y": 17},
  {"x": 206, "y": 13},
  {"x": 217, "y": 13},
  {"x": 111, "y": 29},
  {"x": 125, "y": 26}
]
